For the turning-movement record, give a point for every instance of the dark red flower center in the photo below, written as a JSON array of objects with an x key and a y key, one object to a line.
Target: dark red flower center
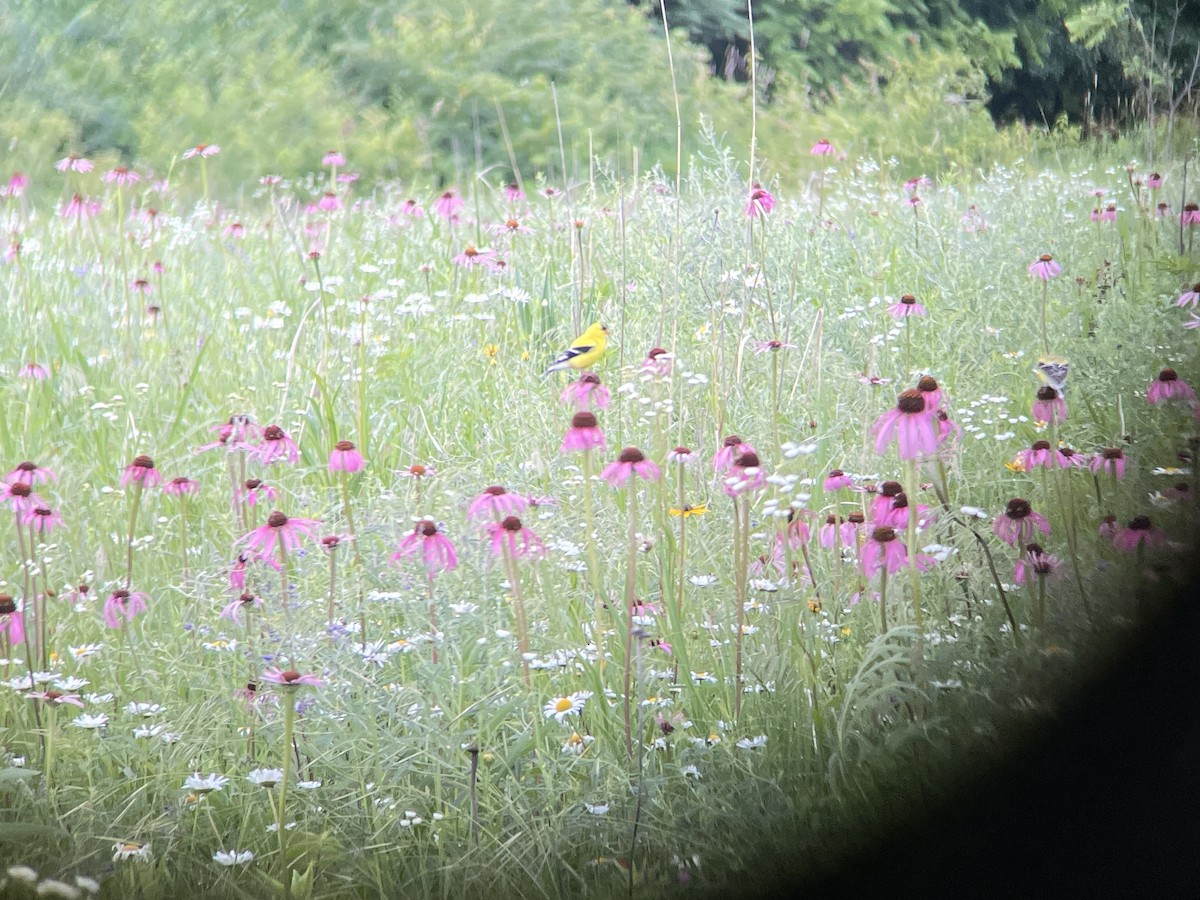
[
  {"x": 27, "y": 467},
  {"x": 589, "y": 378},
  {"x": 655, "y": 352},
  {"x": 584, "y": 420},
  {"x": 856, "y": 518},
  {"x": 732, "y": 441},
  {"x": 429, "y": 529},
  {"x": 53, "y": 695},
  {"x": 495, "y": 490},
  {"x": 908, "y": 300},
  {"x": 290, "y": 675},
  {"x": 928, "y": 384},
  {"x": 277, "y": 519},
  {"x": 143, "y": 462},
  {"x": 890, "y": 488},
  {"x": 1047, "y": 393},
  {"x": 831, "y": 519},
  {"x": 42, "y": 511},
  {"x": 747, "y": 460},
  {"x": 901, "y": 501},
  {"x": 246, "y": 598},
  {"x": 1033, "y": 548},
  {"x": 883, "y": 534},
  {"x": 1067, "y": 452},
  {"x": 1139, "y": 523},
  {"x": 836, "y": 473},
  {"x": 1112, "y": 453},
  {"x": 1041, "y": 445},
  {"x": 511, "y": 523},
  {"x": 120, "y": 595},
  {"x": 344, "y": 446},
  {"x": 1045, "y": 257},
  {"x": 7, "y": 605},
  {"x": 682, "y": 451},
  {"x": 253, "y": 484},
  {"x": 910, "y": 402},
  {"x": 631, "y": 455},
  {"x": 20, "y": 489},
  {"x": 273, "y": 433},
  {"x": 1017, "y": 508},
  {"x": 1168, "y": 375}
]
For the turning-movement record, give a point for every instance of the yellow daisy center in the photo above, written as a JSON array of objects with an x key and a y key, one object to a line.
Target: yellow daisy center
[{"x": 562, "y": 704}]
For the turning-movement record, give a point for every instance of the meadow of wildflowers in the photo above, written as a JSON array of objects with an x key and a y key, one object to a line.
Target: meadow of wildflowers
[{"x": 314, "y": 586}]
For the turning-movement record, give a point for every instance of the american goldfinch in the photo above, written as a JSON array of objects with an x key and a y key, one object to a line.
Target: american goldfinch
[{"x": 584, "y": 350}]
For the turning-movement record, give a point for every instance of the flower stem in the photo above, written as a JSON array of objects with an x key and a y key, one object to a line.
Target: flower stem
[
  {"x": 289, "y": 721},
  {"x": 883, "y": 626},
  {"x": 590, "y": 540},
  {"x": 741, "y": 562},
  {"x": 630, "y": 588},
  {"x": 133, "y": 511}
]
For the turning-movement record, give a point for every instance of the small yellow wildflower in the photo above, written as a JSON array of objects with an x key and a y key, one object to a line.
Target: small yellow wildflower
[
  {"x": 845, "y": 631},
  {"x": 688, "y": 510},
  {"x": 1016, "y": 465},
  {"x": 490, "y": 351},
  {"x": 814, "y": 605}
]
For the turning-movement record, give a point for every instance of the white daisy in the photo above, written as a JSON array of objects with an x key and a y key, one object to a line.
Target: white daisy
[
  {"x": 561, "y": 707},
  {"x": 233, "y": 857},
  {"x": 596, "y": 809},
  {"x": 131, "y": 850},
  {"x": 267, "y": 778},
  {"x": 205, "y": 785},
  {"x": 93, "y": 723},
  {"x": 752, "y": 743}
]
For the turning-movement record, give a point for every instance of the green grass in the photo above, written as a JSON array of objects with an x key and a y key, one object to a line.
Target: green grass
[{"x": 441, "y": 367}]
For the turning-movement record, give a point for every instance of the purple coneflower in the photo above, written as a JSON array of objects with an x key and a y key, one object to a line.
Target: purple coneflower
[
  {"x": 19, "y": 496},
  {"x": 33, "y": 371},
  {"x": 772, "y": 346},
  {"x": 494, "y": 503},
  {"x": 586, "y": 393},
  {"x": 1111, "y": 461},
  {"x": 631, "y": 461},
  {"x": 290, "y": 678},
  {"x": 1038, "y": 456},
  {"x": 836, "y": 480},
  {"x": 181, "y": 486},
  {"x": 731, "y": 447},
  {"x": 345, "y": 458},
  {"x": 1169, "y": 386},
  {"x": 202, "y": 150},
  {"x": 276, "y": 445},
  {"x": 1189, "y": 298},
  {"x": 885, "y": 495},
  {"x": 931, "y": 392},
  {"x": 513, "y": 192},
  {"x": 254, "y": 489},
  {"x": 121, "y": 176},
  {"x": 760, "y": 203},
  {"x": 1045, "y": 268},
  {"x": 279, "y": 530},
  {"x": 57, "y": 698},
  {"x": 448, "y": 204},
  {"x": 1018, "y": 521},
  {"x": 822, "y": 148},
  {"x": 437, "y": 552},
  {"x": 233, "y": 609},
  {"x": 681, "y": 456},
  {"x": 658, "y": 363},
  {"x": 1139, "y": 532},
  {"x": 884, "y": 550},
  {"x": 1072, "y": 459},
  {"x": 12, "y": 620},
  {"x": 910, "y": 424},
  {"x": 141, "y": 471},
  {"x": 520, "y": 541},
  {"x": 471, "y": 257},
  {"x": 1049, "y": 406},
  {"x": 31, "y": 473},
  {"x": 584, "y": 434},
  {"x": 1154, "y": 181},
  {"x": 123, "y": 605},
  {"x": 41, "y": 519},
  {"x": 333, "y": 158},
  {"x": 908, "y": 306},
  {"x": 73, "y": 163},
  {"x": 1190, "y": 214},
  {"x": 746, "y": 474},
  {"x": 1036, "y": 561}
]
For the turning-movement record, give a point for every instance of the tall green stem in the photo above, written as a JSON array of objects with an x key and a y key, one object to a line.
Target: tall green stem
[{"x": 630, "y": 589}]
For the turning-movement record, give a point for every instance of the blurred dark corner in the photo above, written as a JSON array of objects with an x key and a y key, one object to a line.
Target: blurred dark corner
[{"x": 1102, "y": 802}]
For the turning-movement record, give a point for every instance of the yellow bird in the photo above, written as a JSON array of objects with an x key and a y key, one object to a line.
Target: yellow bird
[{"x": 584, "y": 350}]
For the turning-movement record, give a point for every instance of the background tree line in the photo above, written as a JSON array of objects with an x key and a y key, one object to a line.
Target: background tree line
[{"x": 410, "y": 89}]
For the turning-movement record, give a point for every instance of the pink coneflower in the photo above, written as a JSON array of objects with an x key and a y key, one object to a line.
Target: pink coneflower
[
  {"x": 437, "y": 552},
  {"x": 920, "y": 181},
  {"x": 974, "y": 221},
  {"x": 57, "y": 698},
  {"x": 1037, "y": 562},
  {"x": 658, "y": 363},
  {"x": 1049, "y": 406},
  {"x": 760, "y": 203},
  {"x": 79, "y": 208},
  {"x": 1162, "y": 210},
  {"x": 19, "y": 496},
  {"x": 141, "y": 286},
  {"x": 910, "y": 424},
  {"x": 1190, "y": 214},
  {"x": 746, "y": 474},
  {"x": 1108, "y": 214},
  {"x": 202, "y": 150},
  {"x": 1139, "y": 532},
  {"x": 290, "y": 678},
  {"x": 471, "y": 257},
  {"x": 885, "y": 496},
  {"x": 448, "y": 205},
  {"x": 234, "y": 435},
  {"x": 279, "y": 530},
  {"x": 233, "y": 609},
  {"x": 237, "y": 574},
  {"x": 1169, "y": 386},
  {"x": 254, "y": 489},
  {"x": 1072, "y": 459},
  {"x": 333, "y": 158},
  {"x": 31, "y": 473},
  {"x": 733, "y": 446},
  {"x": 17, "y": 183},
  {"x": 884, "y": 550},
  {"x": 1018, "y": 521},
  {"x": 1038, "y": 456},
  {"x": 836, "y": 480},
  {"x": 510, "y": 533},
  {"x": 822, "y": 148},
  {"x": 41, "y": 519},
  {"x": 235, "y": 230},
  {"x": 12, "y": 620},
  {"x": 121, "y": 176},
  {"x": 181, "y": 486},
  {"x": 513, "y": 192},
  {"x": 345, "y": 458},
  {"x": 630, "y": 462},
  {"x": 329, "y": 202},
  {"x": 1109, "y": 461},
  {"x": 898, "y": 512},
  {"x": 276, "y": 445},
  {"x": 1045, "y": 268},
  {"x": 73, "y": 163},
  {"x": 12, "y": 252},
  {"x": 33, "y": 371},
  {"x": 1189, "y": 297},
  {"x": 510, "y": 226},
  {"x": 828, "y": 537},
  {"x": 772, "y": 346},
  {"x": 586, "y": 393},
  {"x": 931, "y": 392},
  {"x": 681, "y": 456},
  {"x": 417, "y": 471},
  {"x": 412, "y": 209},
  {"x": 141, "y": 471},
  {"x": 584, "y": 434},
  {"x": 908, "y": 306},
  {"x": 123, "y": 605},
  {"x": 1154, "y": 181},
  {"x": 494, "y": 503},
  {"x": 948, "y": 431}
]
